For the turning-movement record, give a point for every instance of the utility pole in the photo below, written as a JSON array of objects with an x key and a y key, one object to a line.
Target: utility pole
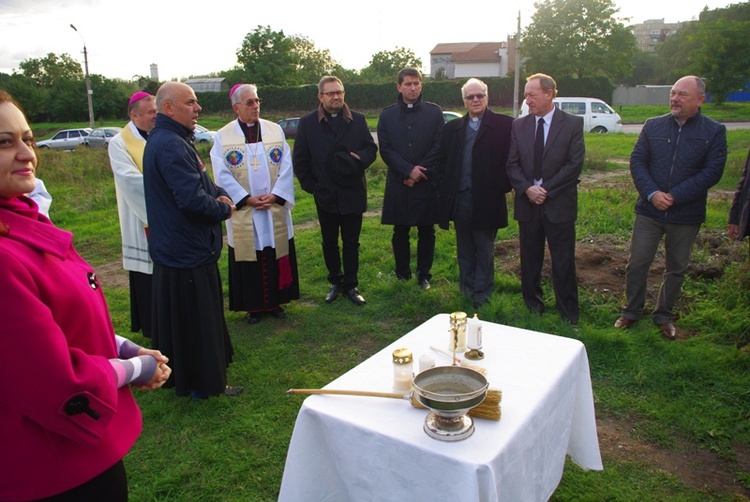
[
  {"x": 517, "y": 68},
  {"x": 88, "y": 80}
]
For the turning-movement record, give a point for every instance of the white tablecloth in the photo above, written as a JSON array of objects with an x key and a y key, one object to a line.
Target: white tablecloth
[{"x": 347, "y": 448}]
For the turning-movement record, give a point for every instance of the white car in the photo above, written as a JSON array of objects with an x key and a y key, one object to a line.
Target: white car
[
  {"x": 448, "y": 116},
  {"x": 203, "y": 135},
  {"x": 597, "y": 115},
  {"x": 67, "y": 139}
]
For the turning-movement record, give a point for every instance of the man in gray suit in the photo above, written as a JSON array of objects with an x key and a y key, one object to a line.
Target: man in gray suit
[{"x": 545, "y": 160}]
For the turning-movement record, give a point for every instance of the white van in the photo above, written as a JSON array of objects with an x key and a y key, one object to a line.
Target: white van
[{"x": 597, "y": 115}]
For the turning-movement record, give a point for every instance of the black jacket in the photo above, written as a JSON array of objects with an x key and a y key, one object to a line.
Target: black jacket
[
  {"x": 681, "y": 161},
  {"x": 739, "y": 214},
  {"x": 184, "y": 216},
  {"x": 337, "y": 182},
  {"x": 489, "y": 180},
  {"x": 407, "y": 137}
]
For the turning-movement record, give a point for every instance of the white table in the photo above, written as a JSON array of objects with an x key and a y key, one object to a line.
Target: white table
[{"x": 347, "y": 448}]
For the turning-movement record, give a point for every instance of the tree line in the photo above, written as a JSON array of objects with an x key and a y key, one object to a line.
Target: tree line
[{"x": 569, "y": 39}]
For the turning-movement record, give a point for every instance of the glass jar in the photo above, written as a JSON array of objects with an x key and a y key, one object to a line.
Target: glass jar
[{"x": 403, "y": 370}]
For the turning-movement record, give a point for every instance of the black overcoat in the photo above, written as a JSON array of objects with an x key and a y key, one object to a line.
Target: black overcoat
[
  {"x": 408, "y": 137},
  {"x": 489, "y": 180},
  {"x": 319, "y": 168}
]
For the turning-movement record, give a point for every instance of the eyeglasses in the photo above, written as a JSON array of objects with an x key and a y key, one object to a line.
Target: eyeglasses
[
  {"x": 252, "y": 101},
  {"x": 333, "y": 93},
  {"x": 471, "y": 97}
]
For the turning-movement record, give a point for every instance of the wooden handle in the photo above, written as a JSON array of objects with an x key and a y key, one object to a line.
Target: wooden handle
[{"x": 338, "y": 392}]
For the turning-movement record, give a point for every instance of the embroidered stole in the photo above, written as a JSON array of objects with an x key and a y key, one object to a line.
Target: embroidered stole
[
  {"x": 134, "y": 145},
  {"x": 242, "y": 220}
]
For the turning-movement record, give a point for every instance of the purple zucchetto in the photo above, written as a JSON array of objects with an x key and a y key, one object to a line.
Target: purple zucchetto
[
  {"x": 138, "y": 96},
  {"x": 234, "y": 88}
]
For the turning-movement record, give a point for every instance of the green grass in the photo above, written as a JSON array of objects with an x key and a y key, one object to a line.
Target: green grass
[
  {"x": 635, "y": 114},
  {"x": 695, "y": 390}
]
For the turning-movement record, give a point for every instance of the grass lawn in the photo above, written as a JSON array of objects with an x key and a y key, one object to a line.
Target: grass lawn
[{"x": 674, "y": 417}]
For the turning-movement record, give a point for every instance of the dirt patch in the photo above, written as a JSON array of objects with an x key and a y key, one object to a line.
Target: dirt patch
[
  {"x": 601, "y": 262},
  {"x": 112, "y": 275},
  {"x": 696, "y": 467}
]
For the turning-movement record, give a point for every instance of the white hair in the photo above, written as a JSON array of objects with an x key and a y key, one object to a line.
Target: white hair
[{"x": 237, "y": 94}]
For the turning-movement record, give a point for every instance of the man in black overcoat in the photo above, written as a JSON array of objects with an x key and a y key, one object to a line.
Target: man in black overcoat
[
  {"x": 409, "y": 141},
  {"x": 332, "y": 149}
]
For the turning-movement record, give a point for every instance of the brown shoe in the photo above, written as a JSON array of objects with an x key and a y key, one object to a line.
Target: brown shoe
[
  {"x": 668, "y": 330},
  {"x": 623, "y": 322}
]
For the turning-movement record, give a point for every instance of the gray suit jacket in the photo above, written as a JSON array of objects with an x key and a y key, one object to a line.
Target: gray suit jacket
[{"x": 564, "y": 151}]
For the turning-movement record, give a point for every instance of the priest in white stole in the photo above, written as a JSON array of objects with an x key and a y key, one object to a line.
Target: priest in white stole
[
  {"x": 126, "y": 158},
  {"x": 252, "y": 161}
]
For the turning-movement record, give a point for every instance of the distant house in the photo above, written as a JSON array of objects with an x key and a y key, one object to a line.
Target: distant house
[
  {"x": 208, "y": 84},
  {"x": 473, "y": 59},
  {"x": 652, "y": 33}
]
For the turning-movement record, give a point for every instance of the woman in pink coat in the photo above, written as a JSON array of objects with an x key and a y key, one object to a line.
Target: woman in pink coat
[{"x": 67, "y": 416}]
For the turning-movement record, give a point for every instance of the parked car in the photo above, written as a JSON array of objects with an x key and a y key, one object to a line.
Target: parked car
[
  {"x": 597, "y": 115},
  {"x": 67, "y": 139},
  {"x": 99, "y": 138},
  {"x": 203, "y": 135},
  {"x": 448, "y": 116},
  {"x": 289, "y": 126}
]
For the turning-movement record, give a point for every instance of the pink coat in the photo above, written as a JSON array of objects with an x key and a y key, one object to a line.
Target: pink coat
[{"x": 62, "y": 419}]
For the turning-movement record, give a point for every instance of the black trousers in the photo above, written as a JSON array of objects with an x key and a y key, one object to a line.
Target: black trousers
[
  {"x": 111, "y": 485},
  {"x": 140, "y": 303},
  {"x": 349, "y": 226},
  {"x": 402, "y": 251},
  {"x": 561, "y": 239}
]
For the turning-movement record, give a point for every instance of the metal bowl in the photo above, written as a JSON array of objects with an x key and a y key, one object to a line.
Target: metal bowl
[{"x": 449, "y": 392}]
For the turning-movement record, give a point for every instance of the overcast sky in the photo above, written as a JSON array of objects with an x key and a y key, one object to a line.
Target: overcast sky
[{"x": 185, "y": 37}]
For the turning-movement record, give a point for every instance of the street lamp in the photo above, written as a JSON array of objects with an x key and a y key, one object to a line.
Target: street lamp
[{"x": 88, "y": 80}]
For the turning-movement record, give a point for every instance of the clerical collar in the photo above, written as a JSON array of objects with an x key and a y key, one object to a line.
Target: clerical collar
[
  {"x": 143, "y": 133},
  {"x": 334, "y": 115},
  {"x": 410, "y": 105},
  {"x": 252, "y": 133}
]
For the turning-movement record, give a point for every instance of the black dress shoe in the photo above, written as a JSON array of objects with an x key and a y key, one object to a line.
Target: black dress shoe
[
  {"x": 278, "y": 313},
  {"x": 424, "y": 284},
  {"x": 355, "y": 297},
  {"x": 252, "y": 318},
  {"x": 333, "y": 293}
]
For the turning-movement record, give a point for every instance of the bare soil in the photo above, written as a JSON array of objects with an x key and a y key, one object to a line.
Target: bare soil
[{"x": 601, "y": 263}]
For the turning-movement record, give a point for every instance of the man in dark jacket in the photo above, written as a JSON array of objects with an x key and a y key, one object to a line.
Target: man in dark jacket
[
  {"x": 185, "y": 210},
  {"x": 676, "y": 159},
  {"x": 409, "y": 140},
  {"x": 473, "y": 184},
  {"x": 545, "y": 161},
  {"x": 739, "y": 215},
  {"x": 332, "y": 149}
]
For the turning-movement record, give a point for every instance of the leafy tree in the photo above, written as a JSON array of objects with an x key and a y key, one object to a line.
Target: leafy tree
[
  {"x": 578, "y": 38},
  {"x": 646, "y": 70},
  {"x": 674, "y": 53},
  {"x": 312, "y": 63},
  {"x": 267, "y": 57},
  {"x": 385, "y": 65},
  {"x": 29, "y": 95},
  {"x": 721, "y": 56},
  {"x": 47, "y": 71}
]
